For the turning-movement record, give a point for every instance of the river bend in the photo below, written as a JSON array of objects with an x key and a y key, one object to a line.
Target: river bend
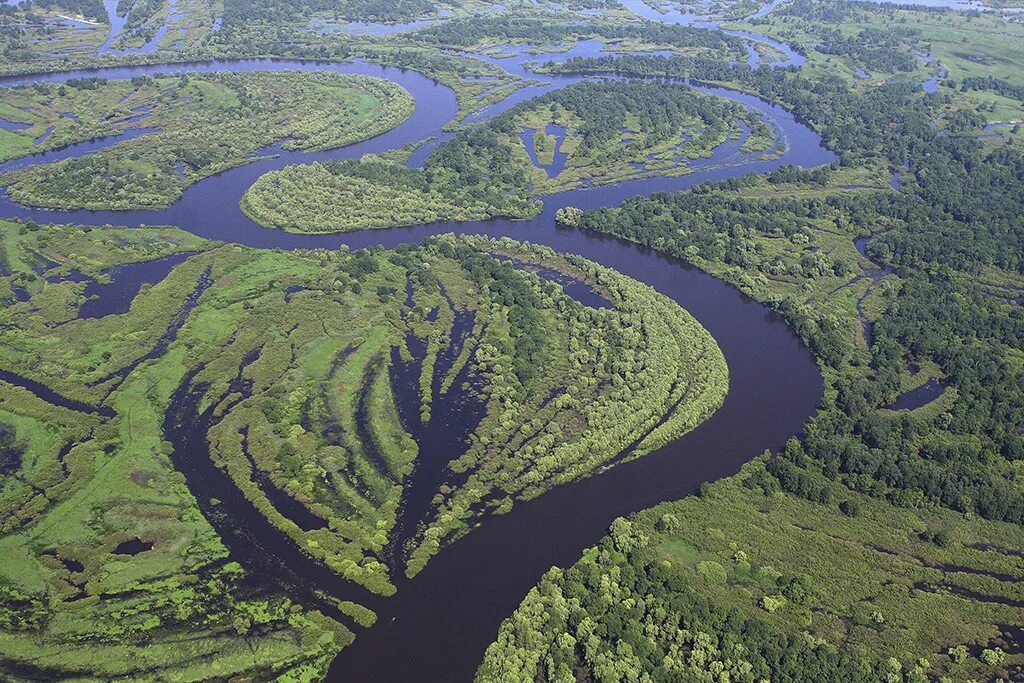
[{"x": 438, "y": 625}]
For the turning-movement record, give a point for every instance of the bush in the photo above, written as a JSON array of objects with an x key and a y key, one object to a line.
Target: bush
[
  {"x": 712, "y": 572},
  {"x": 958, "y": 654},
  {"x": 668, "y": 523},
  {"x": 993, "y": 657},
  {"x": 772, "y": 603}
]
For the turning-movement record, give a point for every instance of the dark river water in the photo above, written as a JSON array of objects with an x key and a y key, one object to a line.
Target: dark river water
[{"x": 437, "y": 626}]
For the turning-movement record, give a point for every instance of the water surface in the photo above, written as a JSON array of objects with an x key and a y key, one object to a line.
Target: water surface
[{"x": 439, "y": 623}]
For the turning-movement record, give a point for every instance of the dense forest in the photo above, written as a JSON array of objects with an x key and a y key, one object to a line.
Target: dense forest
[
  {"x": 960, "y": 182},
  {"x": 882, "y": 49},
  {"x": 619, "y": 615},
  {"x": 963, "y": 215},
  {"x": 741, "y": 585},
  {"x": 956, "y": 222},
  {"x": 936, "y": 319},
  {"x": 274, "y": 11}
]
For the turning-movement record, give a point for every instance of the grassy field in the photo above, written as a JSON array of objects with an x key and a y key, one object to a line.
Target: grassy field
[
  {"x": 893, "y": 582},
  {"x": 201, "y": 124},
  {"x": 371, "y": 193},
  {"x": 87, "y": 483},
  {"x": 931, "y": 594},
  {"x": 192, "y": 23},
  {"x": 36, "y": 33}
]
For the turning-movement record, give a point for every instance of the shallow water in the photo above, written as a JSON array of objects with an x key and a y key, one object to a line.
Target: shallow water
[
  {"x": 118, "y": 24},
  {"x": 528, "y": 138},
  {"x": 919, "y": 397}
]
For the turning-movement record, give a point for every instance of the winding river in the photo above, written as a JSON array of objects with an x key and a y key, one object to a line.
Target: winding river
[{"x": 438, "y": 625}]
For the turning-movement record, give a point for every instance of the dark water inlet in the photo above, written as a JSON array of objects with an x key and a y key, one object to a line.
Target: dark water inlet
[
  {"x": 133, "y": 546},
  {"x": 573, "y": 288},
  {"x": 73, "y": 151},
  {"x": 919, "y": 397},
  {"x": 116, "y": 296},
  {"x": 454, "y": 415},
  {"x": 265, "y": 551},
  {"x": 13, "y": 126},
  {"x": 289, "y": 507},
  {"x": 529, "y": 137},
  {"x": 50, "y": 396},
  {"x": 437, "y": 626}
]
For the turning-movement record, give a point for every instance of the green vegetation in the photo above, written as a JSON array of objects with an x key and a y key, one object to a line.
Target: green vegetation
[
  {"x": 755, "y": 584},
  {"x": 73, "y": 601},
  {"x": 862, "y": 540},
  {"x": 884, "y": 545},
  {"x": 32, "y": 31},
  {"x": 143, "y": 18},
  {"x": 62, "y": 34},
  {"x": 484, "y": 32},
  {"x": 613, "y": 131},
  {"x": 372, "y": 193},
  {"x": 275, "y": 11},
  {"x": 476, "y": 84},
  {"x": 820, "y": 291},
  {"x": 322, "y": 390},
  {"x": 203, "y": 124},
  {"x": 191, "y": 23},
  {"x": 92, "y": 9},
  {"x": 543, "y": 406},
  {"x": 301, "y": 363},
  {"x": 980, "y": 51},
  {"x": 626, "y": 130}
]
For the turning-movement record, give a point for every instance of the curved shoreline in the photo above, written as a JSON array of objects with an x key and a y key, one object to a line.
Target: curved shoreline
[
  {"x": 210, "y": 208},
  {"x": 443, "y": 619},
  {"x": 439, "y": 623}
]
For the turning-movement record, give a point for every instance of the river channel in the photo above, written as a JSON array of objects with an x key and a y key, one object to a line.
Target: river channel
[{"x": 438, "y": 624}]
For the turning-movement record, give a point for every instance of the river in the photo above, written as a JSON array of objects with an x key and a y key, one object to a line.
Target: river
[{"x": 438, "y": 625}]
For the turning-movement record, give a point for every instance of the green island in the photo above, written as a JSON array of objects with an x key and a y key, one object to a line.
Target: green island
[
  {"x": 611, "y": 132},
  {"x": 294, "y": 356},
  {"x": 194, "y": 126},
  {"x": 536, "y": 31}
]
